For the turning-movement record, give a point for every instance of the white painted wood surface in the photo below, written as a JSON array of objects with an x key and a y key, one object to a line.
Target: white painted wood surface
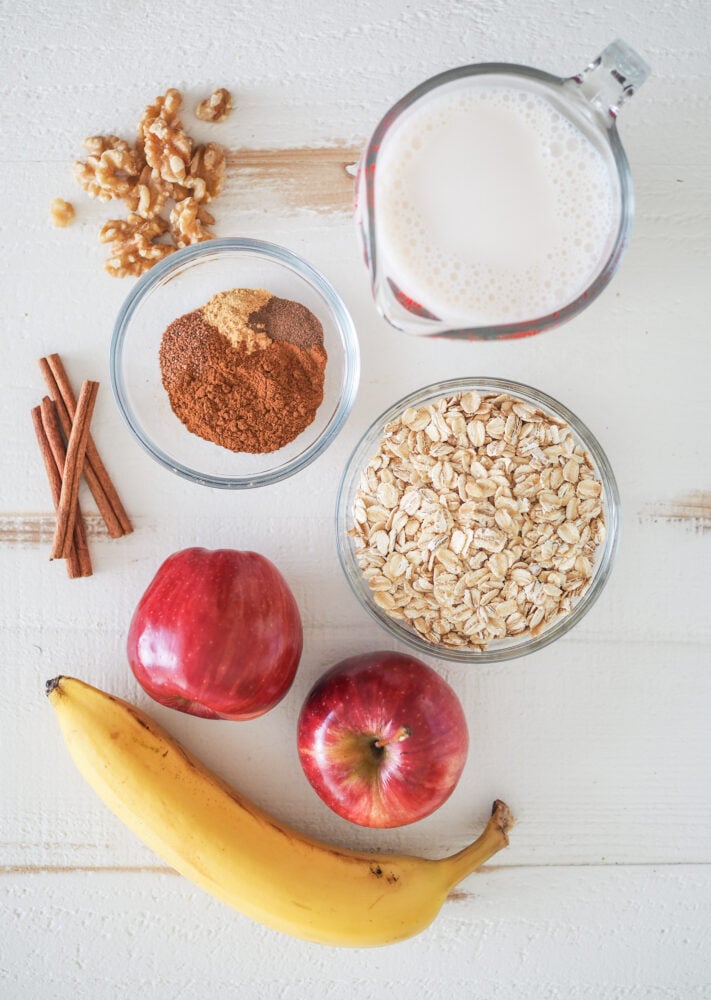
[{"x": 600, "y": 744}]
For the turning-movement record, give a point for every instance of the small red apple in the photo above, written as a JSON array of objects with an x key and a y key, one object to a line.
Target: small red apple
[
  {"x": 216, "y": 634},
  {"x": 383, "y": 739}
]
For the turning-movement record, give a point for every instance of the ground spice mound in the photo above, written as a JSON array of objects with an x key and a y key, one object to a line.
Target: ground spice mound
[
  {"x": 231, "y": 313},
  {"x": 283, "y": 319},
  {"x": 246, "y": 383}
]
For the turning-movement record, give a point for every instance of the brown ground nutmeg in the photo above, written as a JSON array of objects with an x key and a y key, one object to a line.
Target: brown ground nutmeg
[
  {"x": 283, "y": 319},
  {"x": 252, "y": 387}
]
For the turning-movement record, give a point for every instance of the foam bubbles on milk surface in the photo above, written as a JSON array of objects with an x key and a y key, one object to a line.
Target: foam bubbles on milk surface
[{"x": 493, "y": 207}]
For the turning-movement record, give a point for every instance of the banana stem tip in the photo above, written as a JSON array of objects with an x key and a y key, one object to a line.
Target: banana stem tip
[
  {"x": 502, "y": 817},
  {"x": 494, "y": 838}
]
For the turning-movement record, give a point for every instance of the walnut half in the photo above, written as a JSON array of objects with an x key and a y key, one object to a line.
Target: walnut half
[
  {"x": 207, "y": 172},
  {"x": 189, "y": 221},
  {"x": 216, "y": 107},
  {"x": 133, "y": 248},
  {"x": 111, "y": 168}
]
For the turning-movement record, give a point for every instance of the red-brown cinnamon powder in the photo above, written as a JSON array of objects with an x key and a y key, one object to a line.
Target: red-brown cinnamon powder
[{"x": 244, "y": 399}]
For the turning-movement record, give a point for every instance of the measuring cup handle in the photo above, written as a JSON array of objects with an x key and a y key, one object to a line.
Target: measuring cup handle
[{"x": 611, "y": 79}]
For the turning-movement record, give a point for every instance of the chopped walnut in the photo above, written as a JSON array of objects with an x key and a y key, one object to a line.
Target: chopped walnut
[
  {"x": 165, "y": 107},
  {"x": 162, "y": 167},
  {"x": 166, "y": 146},
  {"x": 95, "y": 145},
  {"x": 62, "y": 212},
  {"x": 110, "y": 169},
  {"x": 207, "y": 172},
  {"x": 168, "y": 150},
  {"x": 215, "y": 108},
  {"x": 188, "y": 220},
  {"x": 149, "y": 194},
  {"x": 133, "y": 248}
]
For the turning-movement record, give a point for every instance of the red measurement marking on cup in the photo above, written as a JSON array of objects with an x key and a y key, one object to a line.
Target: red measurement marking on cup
[{"x": 412, "y": 305}]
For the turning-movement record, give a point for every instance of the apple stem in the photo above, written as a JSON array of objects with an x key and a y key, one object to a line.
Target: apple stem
[{"x": 402, "y": 734}]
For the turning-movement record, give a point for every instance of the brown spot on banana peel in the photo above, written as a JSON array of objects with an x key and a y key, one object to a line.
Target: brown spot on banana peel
[{"x": 391, "y": 878}]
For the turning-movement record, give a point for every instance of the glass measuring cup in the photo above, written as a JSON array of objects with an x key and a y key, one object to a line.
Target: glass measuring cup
[{"x": 585, "y": 108}]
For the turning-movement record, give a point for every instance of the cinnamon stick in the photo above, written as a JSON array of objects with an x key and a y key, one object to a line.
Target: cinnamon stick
[
  {"x": 102, "y": 488},
  {"x": 55, "y": 483},
  {"x": 53, "y": 433},
  {"x": 73, "y": 466}
]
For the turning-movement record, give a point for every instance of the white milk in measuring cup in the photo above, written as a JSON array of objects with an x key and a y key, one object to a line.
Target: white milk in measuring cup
[{"x": 496, "y": 200}]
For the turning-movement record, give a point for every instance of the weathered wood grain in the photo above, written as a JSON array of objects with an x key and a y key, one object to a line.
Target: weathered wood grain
[
  {"x": 66, "y": 869},
  {"x": 692, "y": 509},
  {"x": 22, "y": 530},
  {"x": 290, "y": 180},
  {"x": 299, "y": 179},
  {"x": 629, "y": 933}
]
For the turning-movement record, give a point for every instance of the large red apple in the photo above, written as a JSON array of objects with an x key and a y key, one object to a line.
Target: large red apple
[
  {"x": 383, "y": 739},
  {"x": 216, "y": 634}
]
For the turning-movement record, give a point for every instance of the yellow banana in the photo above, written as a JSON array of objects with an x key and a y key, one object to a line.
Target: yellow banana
[{"x": 237, "y": 852}]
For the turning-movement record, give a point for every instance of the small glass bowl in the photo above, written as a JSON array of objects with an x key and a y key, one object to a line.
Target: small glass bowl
[
  {"x": 498, "y": 649},
  {"x": 185, "y": 281}
]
